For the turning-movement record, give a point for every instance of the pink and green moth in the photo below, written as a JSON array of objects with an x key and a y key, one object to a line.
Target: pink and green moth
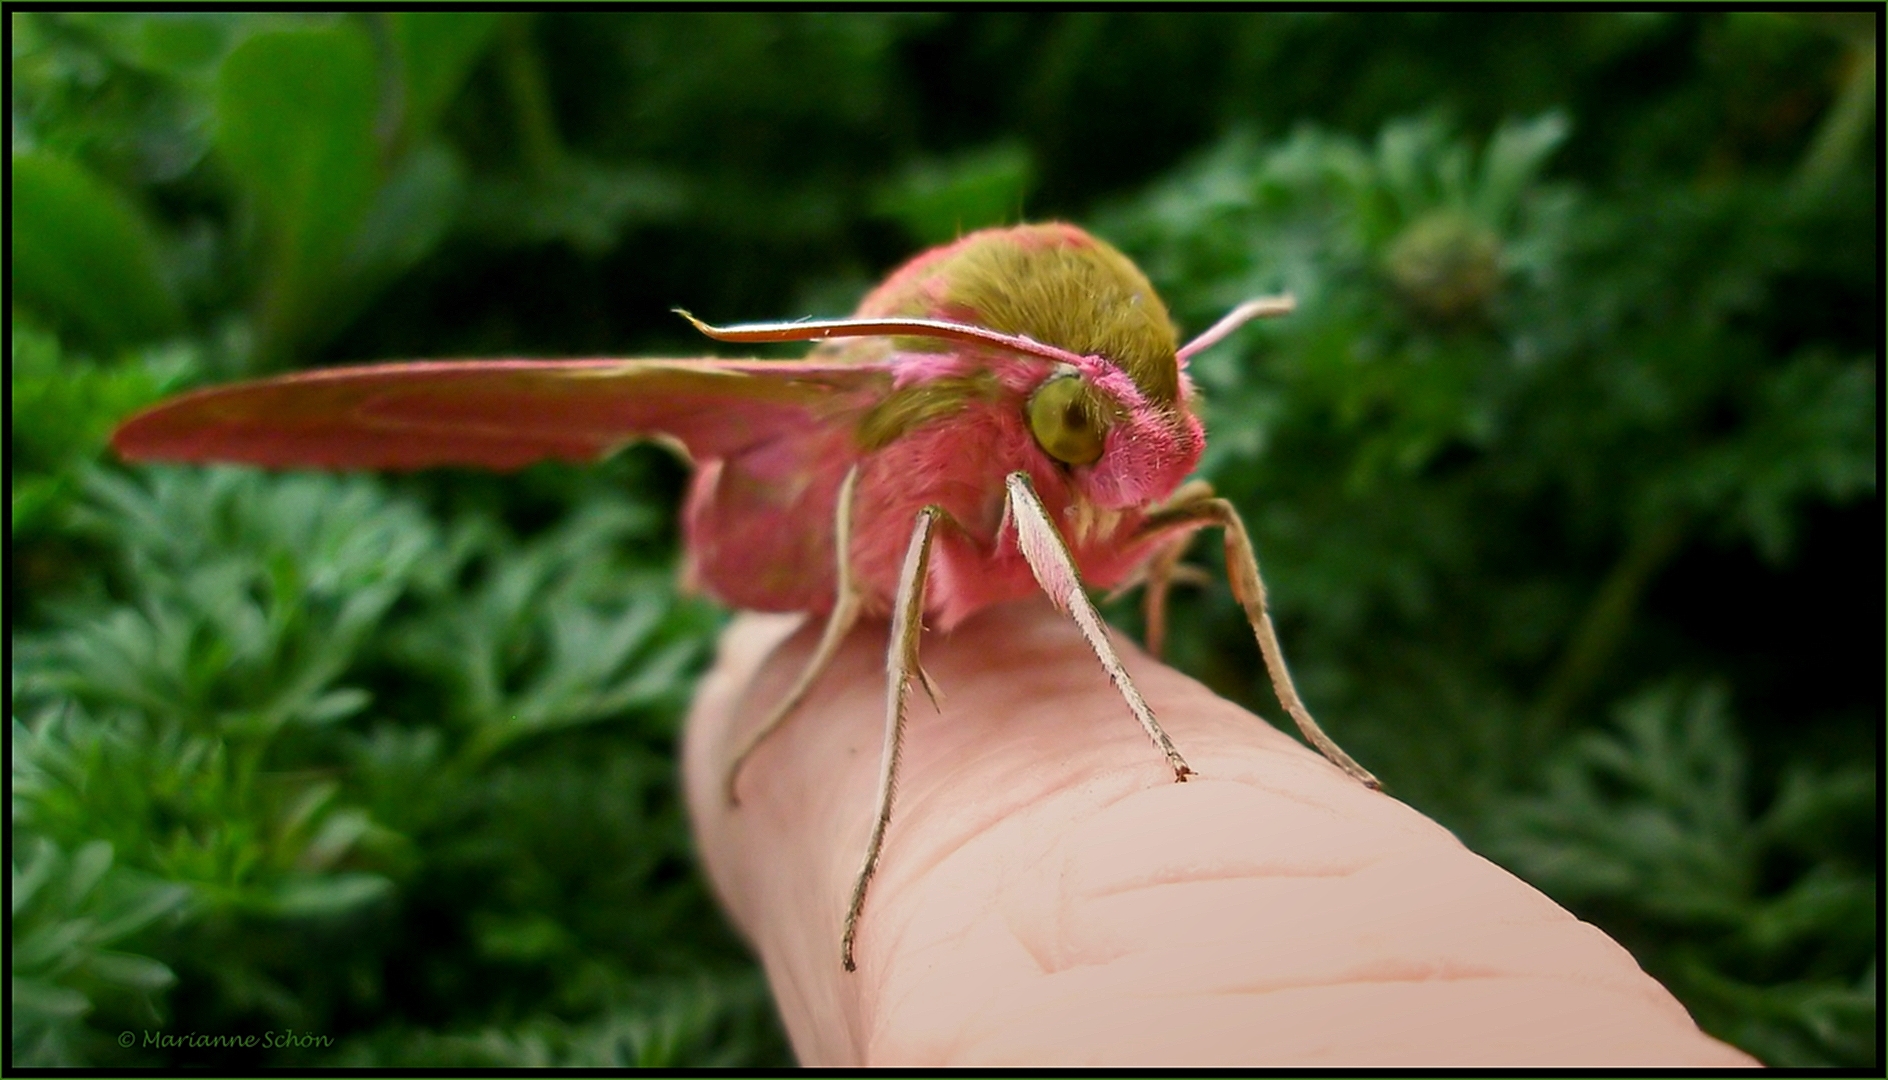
[{"x": 1005, "y": 414}]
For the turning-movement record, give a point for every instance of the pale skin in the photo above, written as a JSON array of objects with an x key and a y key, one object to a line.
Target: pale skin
[{"x": 1049, "y": 896}]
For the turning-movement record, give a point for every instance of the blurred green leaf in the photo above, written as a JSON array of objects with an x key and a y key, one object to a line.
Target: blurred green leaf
[
  {"x": 327, "y": 896},
  {"x": 437, "y": 49},
  {"x": 84, "y": 255},
  {"x": 180, "y": 44},
  {"x": 707, "y": 1023},
  {"x": 130, "y": 971},
  {"x": 295, "y": 115},
  {"x": 1513, "y": 160},
  {"x": 67, "y": 909}
]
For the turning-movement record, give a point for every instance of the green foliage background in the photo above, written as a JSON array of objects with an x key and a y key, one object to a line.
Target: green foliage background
[{"x": 1563, "y": 476}]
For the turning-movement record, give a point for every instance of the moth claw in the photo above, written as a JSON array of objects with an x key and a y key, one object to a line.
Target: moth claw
[{"x": 931, "y": 689}]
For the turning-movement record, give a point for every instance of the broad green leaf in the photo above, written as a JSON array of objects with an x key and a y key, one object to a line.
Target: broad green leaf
[
  {"x": 295, "y": 116},
  {"x": 437, "y": 49},
  {"x": 84, "y": 256}
]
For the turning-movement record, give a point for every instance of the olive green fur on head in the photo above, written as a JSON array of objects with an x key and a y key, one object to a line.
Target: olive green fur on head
[{"x": 1060, "y": 286}]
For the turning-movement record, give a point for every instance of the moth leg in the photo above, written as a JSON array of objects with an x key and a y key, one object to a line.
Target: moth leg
[
  {"x": 931, "y": 689},
  {"x": 1165, "y": 568},
  {"x": 1242, "y": 570},
  {"x": 901, "y": 660},
  {"x": 1161, "y": 571},
  {"x": 845, "y": 613},
  {"x": 1048, "y": 557}
]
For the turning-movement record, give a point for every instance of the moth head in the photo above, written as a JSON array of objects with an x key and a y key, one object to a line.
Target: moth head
[
  {"x": 1121, "y": 447},
  {"x": 1113, "y": 406}
]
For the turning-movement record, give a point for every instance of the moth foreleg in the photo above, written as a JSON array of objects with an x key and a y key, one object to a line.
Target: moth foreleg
[
  {"x": 1242, "y": 571},
  {"x": 845, "y": 613},
  {"x": 1048, "y": 557},
  {"x": 901, "y": 661}
]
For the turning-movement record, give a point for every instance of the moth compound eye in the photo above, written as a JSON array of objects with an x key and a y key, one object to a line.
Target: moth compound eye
[{"x": 1067, "y": 421}]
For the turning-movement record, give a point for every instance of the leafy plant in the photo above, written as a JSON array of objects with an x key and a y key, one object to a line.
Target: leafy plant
[{"x": 67, "y": 911}]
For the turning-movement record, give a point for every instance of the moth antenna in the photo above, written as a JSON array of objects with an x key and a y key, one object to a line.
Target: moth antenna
[
  {"x": 1264, "y": 307},
  {"x": 823, "y": 329}
]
